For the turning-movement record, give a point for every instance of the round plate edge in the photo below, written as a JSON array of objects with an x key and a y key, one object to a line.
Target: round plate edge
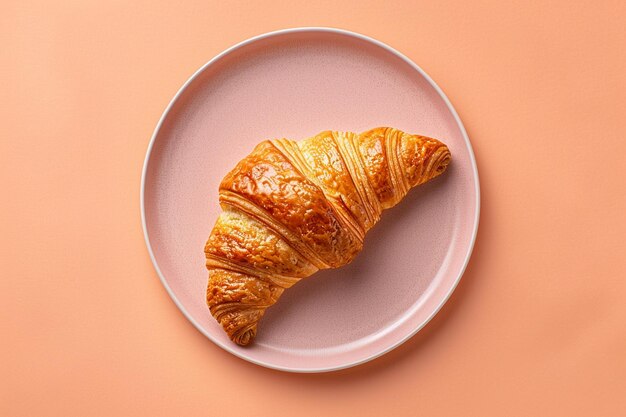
[{"x": 186, "y": 85}]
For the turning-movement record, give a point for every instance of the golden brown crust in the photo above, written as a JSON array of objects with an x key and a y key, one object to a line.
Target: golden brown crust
[
  {"x": 328, "y": 166},
  {"x": 238, "y": 301},
  {"x": 293, "y": 208},
  {"x": 373, "y": 152},
  {"x": 423, "y": 158},
  {"x": 240, "y": 242},
  {"x": 267, "y": 179}
]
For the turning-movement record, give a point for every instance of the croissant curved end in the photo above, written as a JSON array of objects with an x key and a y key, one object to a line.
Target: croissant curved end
[
  {"x": 245, "y": 338},
  {"x": 443, "y": 159}
]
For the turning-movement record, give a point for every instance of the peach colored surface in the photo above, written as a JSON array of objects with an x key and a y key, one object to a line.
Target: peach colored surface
[{"x": 537, "y": 326}]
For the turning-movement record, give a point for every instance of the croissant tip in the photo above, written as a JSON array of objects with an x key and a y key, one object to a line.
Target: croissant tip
[
  {"x": 445, "y": 158},
  {"x": 245, "y": 338}
]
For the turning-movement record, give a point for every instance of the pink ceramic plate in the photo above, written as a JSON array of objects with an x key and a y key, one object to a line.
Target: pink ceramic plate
[{"x": 296, "y": 83}]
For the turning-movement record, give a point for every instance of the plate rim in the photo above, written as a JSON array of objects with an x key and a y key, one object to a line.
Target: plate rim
[{"x": 183, "y": 88}]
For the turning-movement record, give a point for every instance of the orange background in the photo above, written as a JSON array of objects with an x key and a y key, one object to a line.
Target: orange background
[{"x": 537, "y": 325}]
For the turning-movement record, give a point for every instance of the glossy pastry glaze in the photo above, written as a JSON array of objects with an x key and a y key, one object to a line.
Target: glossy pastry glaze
[{"x": 292, "y": 208}]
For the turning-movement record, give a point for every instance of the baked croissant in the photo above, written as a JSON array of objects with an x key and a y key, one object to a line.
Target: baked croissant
[{"x": 292, "y": 208}]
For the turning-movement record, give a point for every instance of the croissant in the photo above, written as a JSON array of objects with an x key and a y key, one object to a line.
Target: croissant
[{"x": 293, "y": 208}]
